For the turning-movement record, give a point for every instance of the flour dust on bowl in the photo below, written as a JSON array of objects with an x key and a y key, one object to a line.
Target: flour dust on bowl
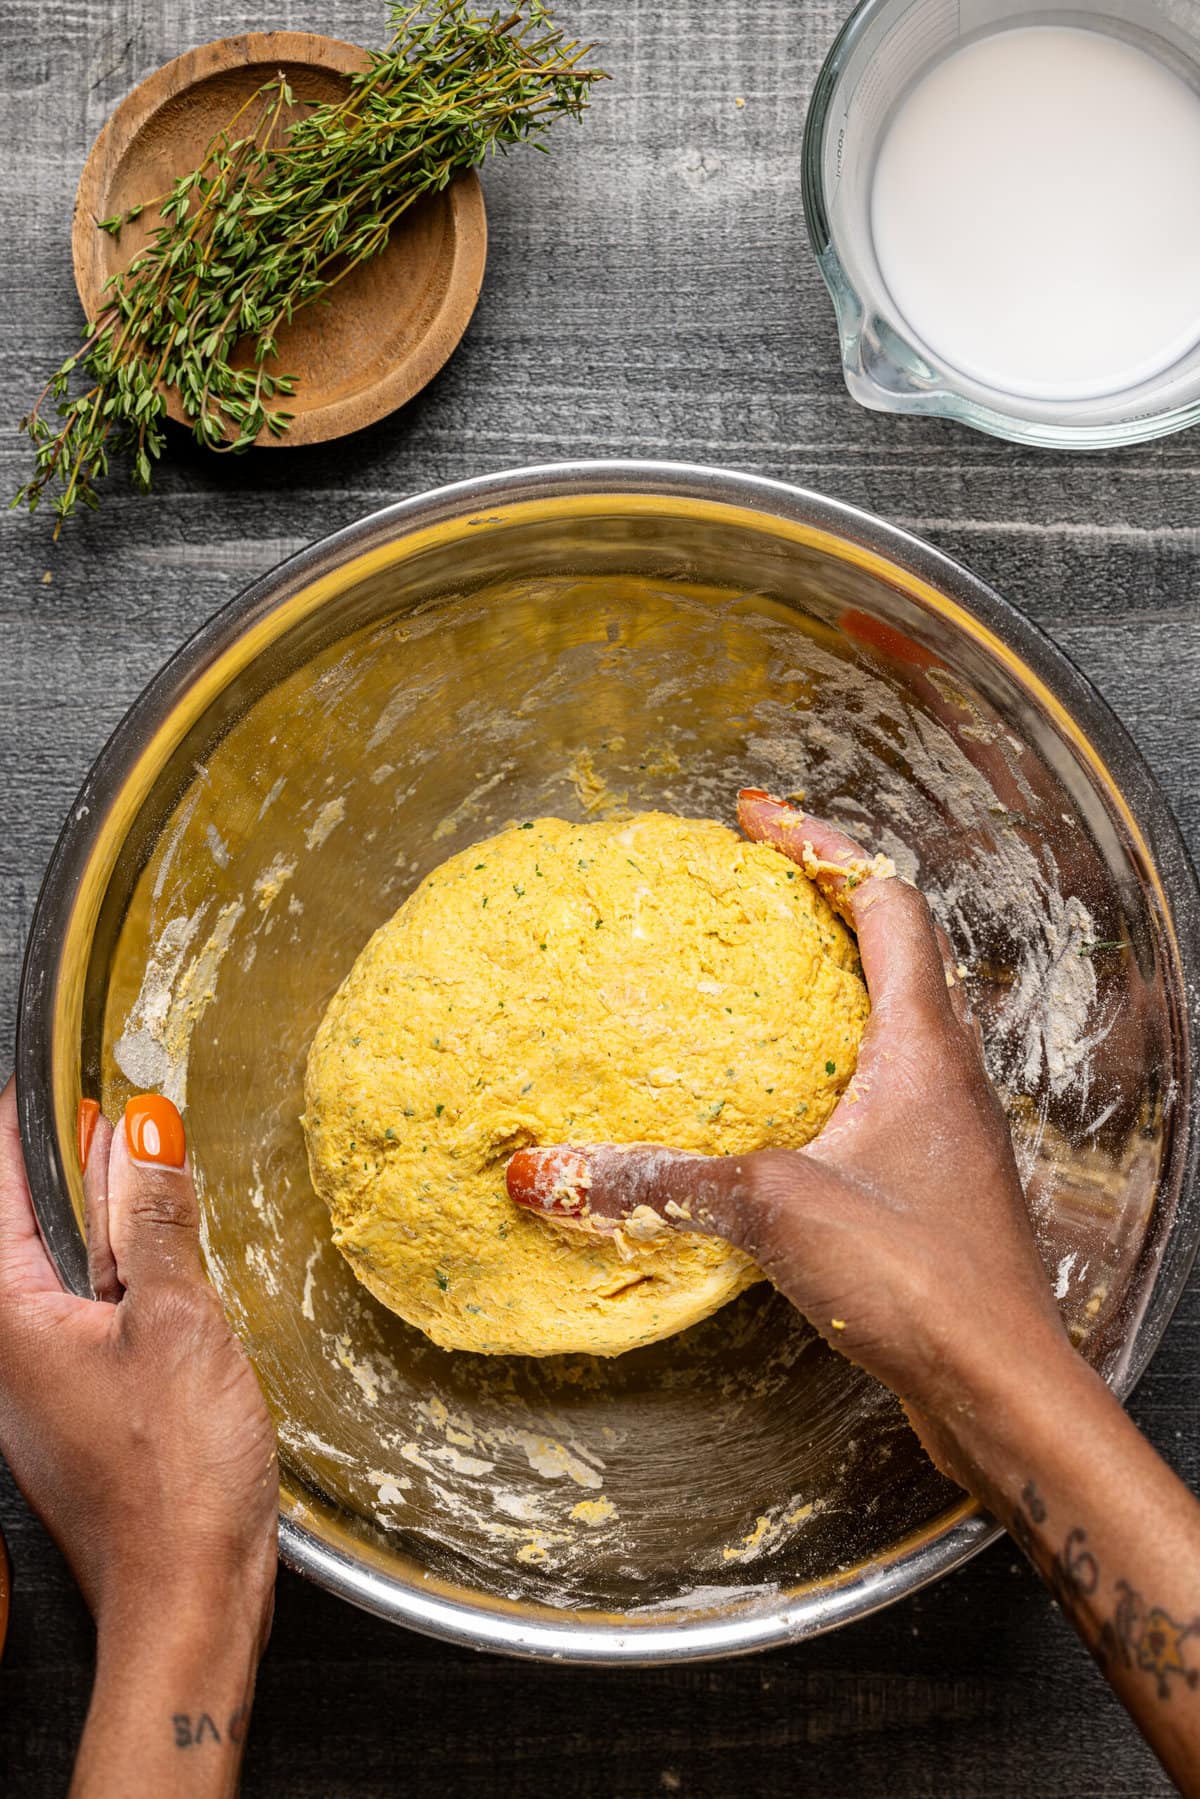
[{"x": 562, "y": 641}]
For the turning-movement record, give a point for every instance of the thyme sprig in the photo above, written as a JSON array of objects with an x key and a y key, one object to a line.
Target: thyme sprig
[{"x": 275, "y": 216}]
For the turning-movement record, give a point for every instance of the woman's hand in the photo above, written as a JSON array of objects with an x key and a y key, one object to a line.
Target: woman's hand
[
  {"x": 901, "y": 1231},
  {"x": 135, "y": 1427}
]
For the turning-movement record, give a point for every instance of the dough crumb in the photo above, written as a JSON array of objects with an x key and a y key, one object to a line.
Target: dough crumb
[
  {"x": 643, "y": 1224},
  {"x": 594, "y": 1511},
  {"x": 327, "y": 820}
]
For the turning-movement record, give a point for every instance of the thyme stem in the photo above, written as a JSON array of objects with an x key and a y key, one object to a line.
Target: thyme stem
[{"x": 271, "y": 220}]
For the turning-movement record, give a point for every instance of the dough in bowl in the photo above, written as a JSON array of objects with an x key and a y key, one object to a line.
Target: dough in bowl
[{"x": 648, "y": 979}]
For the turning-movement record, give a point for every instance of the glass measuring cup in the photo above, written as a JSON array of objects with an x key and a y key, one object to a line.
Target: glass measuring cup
[{"x": 885, "y": 47}]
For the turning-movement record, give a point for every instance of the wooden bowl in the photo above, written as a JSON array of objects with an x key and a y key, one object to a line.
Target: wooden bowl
[{"x": 389, "y": 326}]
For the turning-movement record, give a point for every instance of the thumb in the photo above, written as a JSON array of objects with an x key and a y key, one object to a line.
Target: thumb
[
  {"x": 640, "y": 1189},
  {"x": 153, "y": 1220}
]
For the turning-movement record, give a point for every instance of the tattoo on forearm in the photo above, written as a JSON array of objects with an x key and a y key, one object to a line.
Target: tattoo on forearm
[
  {"x": 194, "y": 1730},
  {"x": 1137, "y": 1635}
]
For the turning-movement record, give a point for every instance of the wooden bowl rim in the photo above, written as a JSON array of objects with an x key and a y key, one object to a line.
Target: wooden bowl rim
[{"x": 442, "y": 332}]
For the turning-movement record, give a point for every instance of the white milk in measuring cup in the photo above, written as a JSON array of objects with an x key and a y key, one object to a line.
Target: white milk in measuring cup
[{"x": 1035, "y": 212}]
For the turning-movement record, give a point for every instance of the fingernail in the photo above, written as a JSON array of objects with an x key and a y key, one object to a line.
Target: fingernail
[
  {"x": 154, "y": 1131},
  {"x": 550, "y": 1180},
  {"x": 85, "y": 1126},
  {"x": 760, "y": 793}
]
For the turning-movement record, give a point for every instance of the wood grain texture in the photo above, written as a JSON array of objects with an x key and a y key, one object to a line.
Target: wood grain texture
[
  {"x": 650, "y": 292},
  {"x": 388, "y": 326}
]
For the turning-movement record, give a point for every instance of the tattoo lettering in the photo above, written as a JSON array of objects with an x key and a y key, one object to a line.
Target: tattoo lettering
[
  {"x": 193, "y": 1732},
  {"x": 1074, "y": 1573},
  {"x": 1029, "y": 1512},
  {"x": 1137, "y": 1635}
]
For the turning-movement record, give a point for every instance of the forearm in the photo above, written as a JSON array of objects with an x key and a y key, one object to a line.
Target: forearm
[
  {"x": 171, "y": 1701},
  {"x": 1112, "y": 1531}
]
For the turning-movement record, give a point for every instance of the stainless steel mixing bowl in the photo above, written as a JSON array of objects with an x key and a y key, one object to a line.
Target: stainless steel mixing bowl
[{"x": 561, "y": 640}]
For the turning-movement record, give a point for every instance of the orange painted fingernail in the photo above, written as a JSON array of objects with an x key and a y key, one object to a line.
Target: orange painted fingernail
[
  {"x": 760, "y": 793},
  {"x": 89, "y": 1118},
  {"x": 549, "y": 1180},
  {"x": 154, "y": 1131}
]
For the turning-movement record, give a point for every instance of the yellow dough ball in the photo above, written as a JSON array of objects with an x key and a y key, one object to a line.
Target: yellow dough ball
[{"x": 653, "y": 979}]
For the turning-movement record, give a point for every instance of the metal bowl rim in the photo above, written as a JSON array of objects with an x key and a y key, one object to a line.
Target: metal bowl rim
[{"x": 866, "y": 1589}]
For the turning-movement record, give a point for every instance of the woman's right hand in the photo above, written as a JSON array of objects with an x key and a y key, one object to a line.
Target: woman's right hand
[{"x": 901, "y": 1231}]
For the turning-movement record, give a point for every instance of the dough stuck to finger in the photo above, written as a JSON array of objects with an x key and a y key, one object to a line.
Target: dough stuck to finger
[{"x": 645, "y": 979}]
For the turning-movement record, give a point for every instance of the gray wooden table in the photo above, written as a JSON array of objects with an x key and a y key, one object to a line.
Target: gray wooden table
[{"x": 650, "y": 292}]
